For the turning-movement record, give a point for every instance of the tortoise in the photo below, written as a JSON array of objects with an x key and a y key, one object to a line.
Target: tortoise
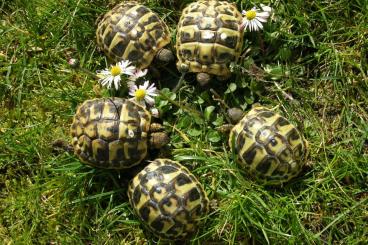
[
  {"x": 114, "y": 133},
  {"x": 268, "y": 146},
  {"x": 168, "y": 199},
  {"x": 209, "y": 38},
  {"x": 131, "y": 31}
]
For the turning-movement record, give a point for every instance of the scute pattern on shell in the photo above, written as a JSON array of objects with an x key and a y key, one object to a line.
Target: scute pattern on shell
[
  {"x": 168, "y": 199},
  {"x": 209, "y": 37},
  {"x": 131, "y": 31},
  {"x": 110, "y": 133},
  {"x": 268, "y": 146}
]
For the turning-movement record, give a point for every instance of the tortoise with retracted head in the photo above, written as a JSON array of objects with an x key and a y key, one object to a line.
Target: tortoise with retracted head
[
  {"x": 168, "y": 199},
  {"x": 268, "y": 146},
  {"x": 131, "y": 31}
]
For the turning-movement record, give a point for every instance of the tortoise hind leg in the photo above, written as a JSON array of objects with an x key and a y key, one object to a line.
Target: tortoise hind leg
[{"x": 60, "y": 144}]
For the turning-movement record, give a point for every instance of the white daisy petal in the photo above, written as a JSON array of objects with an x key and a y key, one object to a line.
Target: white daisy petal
[
  {"x": 145, "y": 85},
  {"x": 137, "y": 74},
  {"x": 153, "y": 92},
  {"x": 132, "y": 89},
  {"x": 149, "y": 100},
  {"x": 261, "y": 19},
  {"x": 266, "y": 8},
  {"x": 263, "y": 15},
  {"x": 245, "y": 24},
  {"x": 253, "y": 26},
  {"x": 151, "y": 88},
  {"x": 107, "y": 82},
  {"x": 259, "y": 24},
  {"x": 105, "y": 72},
  {"x": 117, "y": 82},
  {"x": 129, "y": 70}
]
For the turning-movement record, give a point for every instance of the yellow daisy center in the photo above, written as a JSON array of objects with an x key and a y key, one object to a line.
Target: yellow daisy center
[
  {"x": 115, "y": 70},
  {"x": 139, "y": 94},
  {"x": 251, "y": 14}
]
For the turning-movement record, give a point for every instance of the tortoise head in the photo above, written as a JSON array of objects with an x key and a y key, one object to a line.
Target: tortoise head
[
  {"x": 158, "y": 137},
  {"x": 235, "y": 114},
  {"x": 203, "y": 78},
  {"x": 165, "y": 55}
]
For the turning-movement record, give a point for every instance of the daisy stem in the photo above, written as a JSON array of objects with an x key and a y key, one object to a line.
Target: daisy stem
[
  {"x": 180, "y": 83},
  {"x": 223, "y": 105}
]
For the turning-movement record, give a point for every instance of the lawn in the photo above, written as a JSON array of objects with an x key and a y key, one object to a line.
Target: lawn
[{"x": 309, "y": 63}]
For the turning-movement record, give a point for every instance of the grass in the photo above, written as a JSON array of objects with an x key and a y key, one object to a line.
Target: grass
[{"x": 311, "y": 62}]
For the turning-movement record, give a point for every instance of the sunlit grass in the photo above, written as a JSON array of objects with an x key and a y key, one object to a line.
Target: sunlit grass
[{"x": 310, "y": 62}]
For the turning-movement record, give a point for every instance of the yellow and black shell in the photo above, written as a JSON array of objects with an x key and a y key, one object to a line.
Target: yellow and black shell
[
  {"x": 131, "y": 31},
  {"x": 268, "y": 146},
  {"x": 110, "y": 133},
  {"x": 168, "y": 199},
  {"x": 209, "y": 37}
]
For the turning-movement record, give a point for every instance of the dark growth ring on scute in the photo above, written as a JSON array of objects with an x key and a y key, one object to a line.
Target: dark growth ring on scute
[
  {"x": 133, "y": 32},
  {"x": 268, "y": 146},
  {"x": 114, "y": 133},
  {"x": 168, "y": 199}
]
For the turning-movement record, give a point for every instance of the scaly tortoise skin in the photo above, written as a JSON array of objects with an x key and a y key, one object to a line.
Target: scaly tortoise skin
[
  {"x": 168, "y": 199},
  {"x": 209, "y": 37},
  {"x": 110, "y": 133},
  {"x": 268, "y": 146},
  {"x": 133, "y": 32}
]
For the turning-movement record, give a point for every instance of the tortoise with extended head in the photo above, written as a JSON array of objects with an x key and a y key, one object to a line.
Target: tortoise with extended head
[
  {"x": 268, "y": 146},
  {"x": 131, "y": 31},
  {"x": 114, "y": 133},
  {"x": 168, "y": 199},
  {"x": 209, "y": 37}
]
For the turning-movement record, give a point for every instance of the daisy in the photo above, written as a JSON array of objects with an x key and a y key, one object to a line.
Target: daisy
[
  {"x": 253, "y": 18},
  {"x": 137, "y": 74},
  {"x": 144, "y": 93},
  {"x": 113, "y": 75}
]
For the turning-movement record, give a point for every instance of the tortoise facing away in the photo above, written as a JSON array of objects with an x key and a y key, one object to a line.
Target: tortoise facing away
[
  {"x": 114, "y": 133},
  {"x": 168, "y": 199},
  {"x": 268, "y": 146},
  {"x": 131, "y": 31},
  {"x": 209, "y": 38}
]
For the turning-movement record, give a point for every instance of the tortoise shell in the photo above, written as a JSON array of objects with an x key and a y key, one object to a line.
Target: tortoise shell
[
  {"x": 168, "y": 199},
  {"x": 268, "y": 146},
  {"x": 110, "y": 133},
  {"x": 133, "y": 32},
  {"x": 209, "y": 37}
]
